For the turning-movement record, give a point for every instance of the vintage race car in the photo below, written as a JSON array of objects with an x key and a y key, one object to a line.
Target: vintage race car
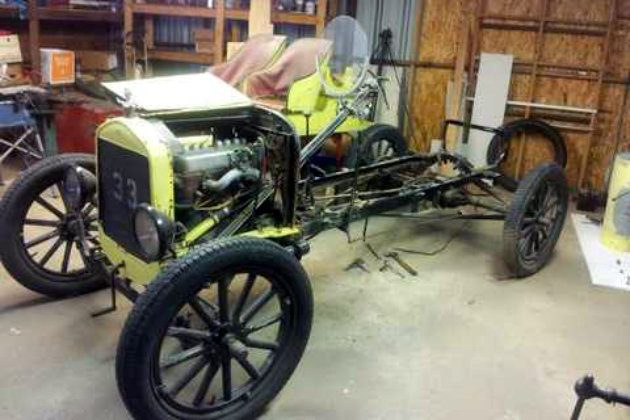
[{"x": 199, "y": 206}]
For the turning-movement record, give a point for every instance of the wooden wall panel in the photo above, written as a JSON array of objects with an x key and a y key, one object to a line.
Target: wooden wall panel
[
  {"x": 429, "y": 102},
  {"x": 530, "y": 8},
  {"x": 438, "y": 45},
  {"x": 571, "y": 50},
  {"x": 440, "y": 26},
  {"x": 580, "y": 10},
  {"x": 520, "y": 44}
]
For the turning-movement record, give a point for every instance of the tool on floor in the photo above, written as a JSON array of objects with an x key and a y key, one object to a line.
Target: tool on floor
[
  {"x": 358, "y": 263},
  {"x": 586, "y": 389},
  {"x": 396, "y": 257},
  {"x": 388, "y": 266}
]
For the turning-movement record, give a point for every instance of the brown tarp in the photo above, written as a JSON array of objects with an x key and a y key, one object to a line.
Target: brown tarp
[
  {"x": 256, "y": 54},
  {"x": 297, "y": 62}
]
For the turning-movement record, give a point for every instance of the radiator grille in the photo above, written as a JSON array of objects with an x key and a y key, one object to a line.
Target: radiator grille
[{"x": 123, "y": 184}]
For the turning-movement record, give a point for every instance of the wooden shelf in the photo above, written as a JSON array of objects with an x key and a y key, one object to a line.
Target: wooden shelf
[
  {"x": 173, "y": 10},
  {"x": 219, "y": 14},
  {"x": 8, "y": 11},
  {"x": 182, "y": 56},
  {"x": 187, "y": 11},
  {"x": 294, "y": 18},
  {"x": 64, "y": 14},
  {"x": 237, "y": 14}
]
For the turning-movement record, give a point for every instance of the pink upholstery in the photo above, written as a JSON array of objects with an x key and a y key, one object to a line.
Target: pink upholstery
[
  {"x": 257, "y": 53},
  {"x": 297, "y": 62}
]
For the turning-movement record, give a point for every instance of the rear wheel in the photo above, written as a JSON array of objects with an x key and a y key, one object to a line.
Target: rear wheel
[
  {"x": 377, "y": 143},
  {"x": 40, "y": 234},
  {"x": 217, "y": 335},
  {"x": 535, "y": 219}
]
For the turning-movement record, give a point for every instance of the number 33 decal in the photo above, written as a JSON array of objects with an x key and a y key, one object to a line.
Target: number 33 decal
[{"x": 125, "y": 190}]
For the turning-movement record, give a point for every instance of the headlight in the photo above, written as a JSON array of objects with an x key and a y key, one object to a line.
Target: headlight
[
  {"x": 78, "y": 186},
  {"x": 153, "y": 230}
]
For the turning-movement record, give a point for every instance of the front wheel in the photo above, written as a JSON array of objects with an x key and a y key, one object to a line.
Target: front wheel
[
  {"x": 40, "y": 233},
  {"x": 217, "y": 335},
  {"x": 535, "y": 219}
]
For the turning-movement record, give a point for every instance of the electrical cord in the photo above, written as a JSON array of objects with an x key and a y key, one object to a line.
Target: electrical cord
[{"x": 440, "y": 248}]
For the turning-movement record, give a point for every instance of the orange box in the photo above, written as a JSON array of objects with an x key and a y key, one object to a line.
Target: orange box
[{"x": 57, "y": 66}]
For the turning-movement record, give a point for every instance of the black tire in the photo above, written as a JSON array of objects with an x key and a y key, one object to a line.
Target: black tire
[
  {"x": 500, "y": 145},
  {"x": 378, "y": 137},
  {"x": 535, "y": 219},
  {"x": 14, "y": 207},
  {"x": 151, "y": 321}
]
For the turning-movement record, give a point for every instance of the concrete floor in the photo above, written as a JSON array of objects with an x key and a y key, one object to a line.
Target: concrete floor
[{"x": 458, "y": 341}]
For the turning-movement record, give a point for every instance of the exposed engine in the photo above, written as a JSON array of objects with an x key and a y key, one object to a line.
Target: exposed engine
[{"x": 209, "y": 175}]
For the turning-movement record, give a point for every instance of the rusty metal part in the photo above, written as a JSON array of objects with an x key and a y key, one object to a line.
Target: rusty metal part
[{"x": 396, "y": 257}]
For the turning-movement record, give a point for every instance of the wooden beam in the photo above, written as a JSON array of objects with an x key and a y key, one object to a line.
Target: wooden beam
[
  {"x": 182, "y": 56},
  {"x": 475, "y": 42},
  {"x": 409, "y": 129},
  {"x": 458, "y": 86},
  {"x": 81, "y": 15},
  {"x": 294, "y": 18},
  {"x": 219, "y": 31},
  {"x": 33, "y": 30},
  {"x": 540, "y": 39},
  {"x": 128, "y": 47},
  {"x": 149, "y": 42},
  {"x": 322, "y": 11},
  {"x": 149, "y": 32}
]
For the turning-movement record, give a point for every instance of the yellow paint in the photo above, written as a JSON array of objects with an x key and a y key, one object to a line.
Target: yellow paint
[
  {"x": 140, "y": 136},
  {"x": 307, "y": 100},
  {"x": 616, "y": 232},
  {"x": 198, "y": 231},
  {"x": 273, "y": 232},
  {"x": 133, "y": 267}
]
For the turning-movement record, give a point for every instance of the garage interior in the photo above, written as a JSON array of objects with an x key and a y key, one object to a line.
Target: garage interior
[{"x": 411, "y": 320}]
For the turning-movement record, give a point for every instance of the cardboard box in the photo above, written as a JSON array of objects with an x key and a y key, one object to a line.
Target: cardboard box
[
  {"x": 97, "y": 60},
  {"x": 10, "y": 49},
  {"x": 57, "y": 66}
]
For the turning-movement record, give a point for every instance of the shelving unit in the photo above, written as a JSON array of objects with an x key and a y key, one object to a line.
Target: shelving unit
[
  {"x": 219, "y": 14},
  {"x": 9, "y": 12},
  {"x": 37, "y": 14}
]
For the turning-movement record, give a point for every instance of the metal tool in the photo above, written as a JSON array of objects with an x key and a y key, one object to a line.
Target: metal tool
[
  {"x": 586, "y": 389},
  {"x": 358, "y": 263},
  {"x": 396, "y": 256},
  {"x": 387, "y": 266}
]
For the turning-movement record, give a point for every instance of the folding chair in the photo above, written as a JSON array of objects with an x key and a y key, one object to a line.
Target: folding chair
[{"x": 18, "y": 133}]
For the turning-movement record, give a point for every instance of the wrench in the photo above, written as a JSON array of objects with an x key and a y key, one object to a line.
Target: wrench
[{"x": 396, "y": 256}]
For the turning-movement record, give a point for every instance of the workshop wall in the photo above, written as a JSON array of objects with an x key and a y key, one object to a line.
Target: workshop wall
[{"x": 567, "y": 72}]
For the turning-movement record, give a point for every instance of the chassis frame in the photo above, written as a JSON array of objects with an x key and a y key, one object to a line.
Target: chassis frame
[{"x": 381, "y": 203}]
